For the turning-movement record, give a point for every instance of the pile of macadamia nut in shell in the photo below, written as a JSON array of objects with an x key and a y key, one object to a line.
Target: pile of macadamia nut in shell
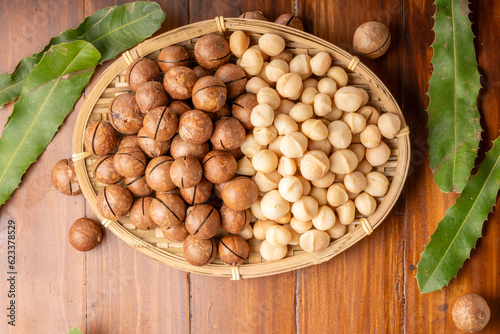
[{"x": 248, "y": 138}]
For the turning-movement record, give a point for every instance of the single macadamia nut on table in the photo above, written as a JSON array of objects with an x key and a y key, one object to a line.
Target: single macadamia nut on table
[
  {"x": 300, "y": 226},
  {"x": 269, "y": 96},
  {"x": 234, "y": 221},
  {"x": 172, "y": 55},
  {"x": 267, "y": 181},
  {"x": 379, "y": 155},
  {"x": 141, "y": 71},
  {"x": 252, "y": 61},
  {"x": 195, "y": 127},
  {"x": 64, "y": 178},
  {"x": 314, "y": 165},
  {"x": 370, "y": 114},
  {"x": 199, "y": 252},
  {"x": 355, "y": 121},
  {"x": 238, "y": 43},
  {"x": 242, "y": 109},
  {"x": 290, "y": 188},
  {"x": 255, "y": 84},
  {"x": 260, "y": 228},
  {"x": 305, "y": 208},
  {"x": 338, "y": 230},
  {"x": 160, "y": 124},
  {"x": 371, "y": 39},
  {"x": 139, "y": 214},
  {"x": 370, "y": 137},
  {"x": 228, "y": 134},
  {"x": 114, "y": 201},
  {"x": 359, "y": 150},
  {"x": 301, "y": 64},
  {"x": 219, "y": 166},
  {"x": 125, "y": 115},
  {"x": 319, "y": 194},
  {"x": 130, "y": 162},
  {"x": 327, "y": 86},
  {"x": 321, "y": 145},
  {"x": 104, "y": 171},
  {"x": 348, "y": 99},
  {"x": 274, "y": 206},
  {"x": 315, "y": 129},
  {"x": 365, "y": 204},
  {"x": 262, "y": 115},
  {"x": 320, "y": 63},
  {"x": 181, "y": 148},
  {"x": 212, "y": 51},
  {"x": 234, "y": 78},
  {"x": 389, "y": 125},
  {"x": 250, "y": 146},
  {"x": 314, "y": 241},
  {"x": 346, "y": 212},
  {"x": 308, "y": 95},
  {"x": 376, "y": 184},
  {"x": 167, "y": 210},
  {"x": 158, "y": 174},
  {"x": 471, "y": 313},
  {"x": 339, "y": 134},
  {"x": 343, "y": 161},
  {"x": 325, "y": 219},
  {"x": 294, "y": 145},
  {"x": 272, "y": 253},
  {"x": 276, "y": 69},
  {"x": 186, "y": 172},
  {"x": 289, "y": 85},
  {"x": 202, "y": 221},
  {"x": 325, "y": 181},
  {"x": 175, "y": 233},
  {"x": 285, "y": 125},
  {"x": 138, "y": 186},
  {"x": 339, "y": 75},
  {"x": 288, "y": 19},
  {"x": 265, "y": 136},
  {"x": 337, "y": 195},
  {"x": 278, "y": 236},
  {"x": 179, "y": 82},
  {"x": 198, "y": 194},
  {"x": 247, "y": 233},
  {"x": 151, "y": 95},
  {"x": 239, "y": 194},
  {"x": 287, "y": 166},
  {"x": 322, "y": 104},
  {"x": 245, "y": 167},
  {"x": 85, "y": 234},
  {"x": 265, "y": 161},
  {"x": 209, "y": 94},
  {"x": 271, "y": 44},
  {"x": 355, "y": 182},
  {"x": 233, "y": 250}
]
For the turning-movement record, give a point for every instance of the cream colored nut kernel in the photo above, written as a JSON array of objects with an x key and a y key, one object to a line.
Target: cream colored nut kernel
[
  {"x": 321, "y": 145},
  {"x": 238, "y": 61},
  {"x": 343, "y": 161},
  {"x": 389, "y": 125},
  {"x": 325, "y": 219},
  {"x": 319, "y": 194},
  {"x": 255, "y": 84},
  {"x": 355, "y": 121},
  {"x": 339, "y": 75},
  {"x": 370, "y": 113},
  {"x": 272, "y": 253},
  {"x": 376, "y": 184},
  {"x": 285, "y": 55},
  {"x": 335, "y": 114},
  {"x": 250, "y": 146},
  {"x": 301, "y": 64},
  {"x": 301, "y": 112},
  {"x": 336, "y": 194},
  {"x": 308, "y": 95},
  {"x": 314, "y": 241},
  {"x": 322, "y": 104},
  {"x": 370, "y": 137},
  {"x": 352, "y": 195},
  {"x": 325, "y": 181},
  {"x": 262, "y": 115},
  {"x": 278, "y": 236},
  {"x": 247, "y": 233},
  {"x": 315, "y": 129},
  {"x": 327, "y": 86},
  {"x": 364, "y": 167},
  {"x": 285, "y": 107},
  {"x": 306, "y": 185},
  {"x": 274, "y": 206},
  {"x": 337, "y": 231},
  {"x": 265, "y": 161},
  {"x": 285, "y": 124},
  {"x": 320, "y": 63},
  {"x": 238, "y": 43},
  {"x": 256, "y": 211},
  {"x": 305, "y": 208},
  {"x": 359, "y": 150},
  {"x": 300, "y": 226},
  {"x": 379, "y": 155},
  {"x": 293, "y": 145},
  {"x": 355, "y": 182},
  {"x": 276, "y": 69},
  {"x": 339, "y": 178},
  {"x": 314, "y": 165},
  {"x": 269, "y": 96},
  {"x": 339, "y": 134},
  {"x": 365, "y": 96},
  {"x": 245, "y": 167},
  {"x": 348, "y": 99},
  {"x": 265, "y": 136},
  {"x": 290, "y": 188},
  {"x": 285, "y": 219},
  {"x": 346, "y": 212},
  {"x": 252, "y": 61},
  {"x": 262, "y": 74},
  {"x": 264, "y": 55},
  {"x": 310, "y": 82},
  {"x": 295, "y": 236},
  {"x": 275, "y": 146},
  {"x": 289, "y": 85},
  {"x": 267, "y": 181},
  {"x": 271, "y": 44},
  {"x": 287, "y": 166},
  {"x": 260, "y": 228},
  {"x": 365, "y": 204}
]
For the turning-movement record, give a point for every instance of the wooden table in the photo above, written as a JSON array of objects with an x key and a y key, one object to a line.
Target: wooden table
[{"x": 370, "y": 288}]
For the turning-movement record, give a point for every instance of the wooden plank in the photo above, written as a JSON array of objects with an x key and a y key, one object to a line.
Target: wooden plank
[
  {"x": 431, "y": 313},
  {"x": 50, "y": 294},
  {"x": 128, "y": 292}
]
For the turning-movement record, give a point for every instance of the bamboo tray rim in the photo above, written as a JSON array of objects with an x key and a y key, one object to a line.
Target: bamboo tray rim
[{"x": 292, "y": 35}]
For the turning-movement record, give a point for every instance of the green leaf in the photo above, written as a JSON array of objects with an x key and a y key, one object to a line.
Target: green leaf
[
  {"x": 459, "y": 230},
  {"x": 52, "y": 89},
  {"x": 111, "y": 30},
  {"x": 74, "y": 330},
  {"x": 454, "y": 128}
]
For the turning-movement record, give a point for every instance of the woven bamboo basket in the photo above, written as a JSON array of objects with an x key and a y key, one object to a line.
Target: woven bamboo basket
[{"x": 151, "y": 242}]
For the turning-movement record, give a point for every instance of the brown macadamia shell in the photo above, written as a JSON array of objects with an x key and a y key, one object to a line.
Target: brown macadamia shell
[
  {"x": 195, "y": 127},
  {"x": 167, "y": 210},
  {"x": 203, "y": 221},
  {"x": 228, "y": 134},
  {"x": 64, "y": 178},
  {"x": 212, "y": 51},
  {"x": 141, "y": 71},
  {"x": 233, "y": 250},
  {"x": 172, "y": 55},
  {"x": 114, "y": 201},
  {"x": 199, "y": 252},
  {"x": 150, "y": 95},
  {"x": 139, "y": 214},
  {"x": 85, "y": 234},
  {"x": 209, "y": 94},
  {"x": 186, "y": 172},
  {"x": 100, "y": 138},
  {"x": 219, "y": 166}
]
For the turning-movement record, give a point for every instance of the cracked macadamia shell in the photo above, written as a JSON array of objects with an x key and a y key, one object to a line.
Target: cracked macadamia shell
[
  {"x": 228, "y": 134},
  {"x": 100, "y": 138},
  {"x": 233, "y": 250},
  {"x": 151, "y": 95},
  {"x": 160, "y": 124},
  {"x": 114, "y": 201},
  {"x": 64, "y": 178},
  {"x": 199, "y": 252},
  {"x": 211, "y": 51},
  {"x": 219, "y": 166},
  {"x": 172, "y": 55},
  {"x": 209, "y": 94},
  {"x": 179, "y": 82}
]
